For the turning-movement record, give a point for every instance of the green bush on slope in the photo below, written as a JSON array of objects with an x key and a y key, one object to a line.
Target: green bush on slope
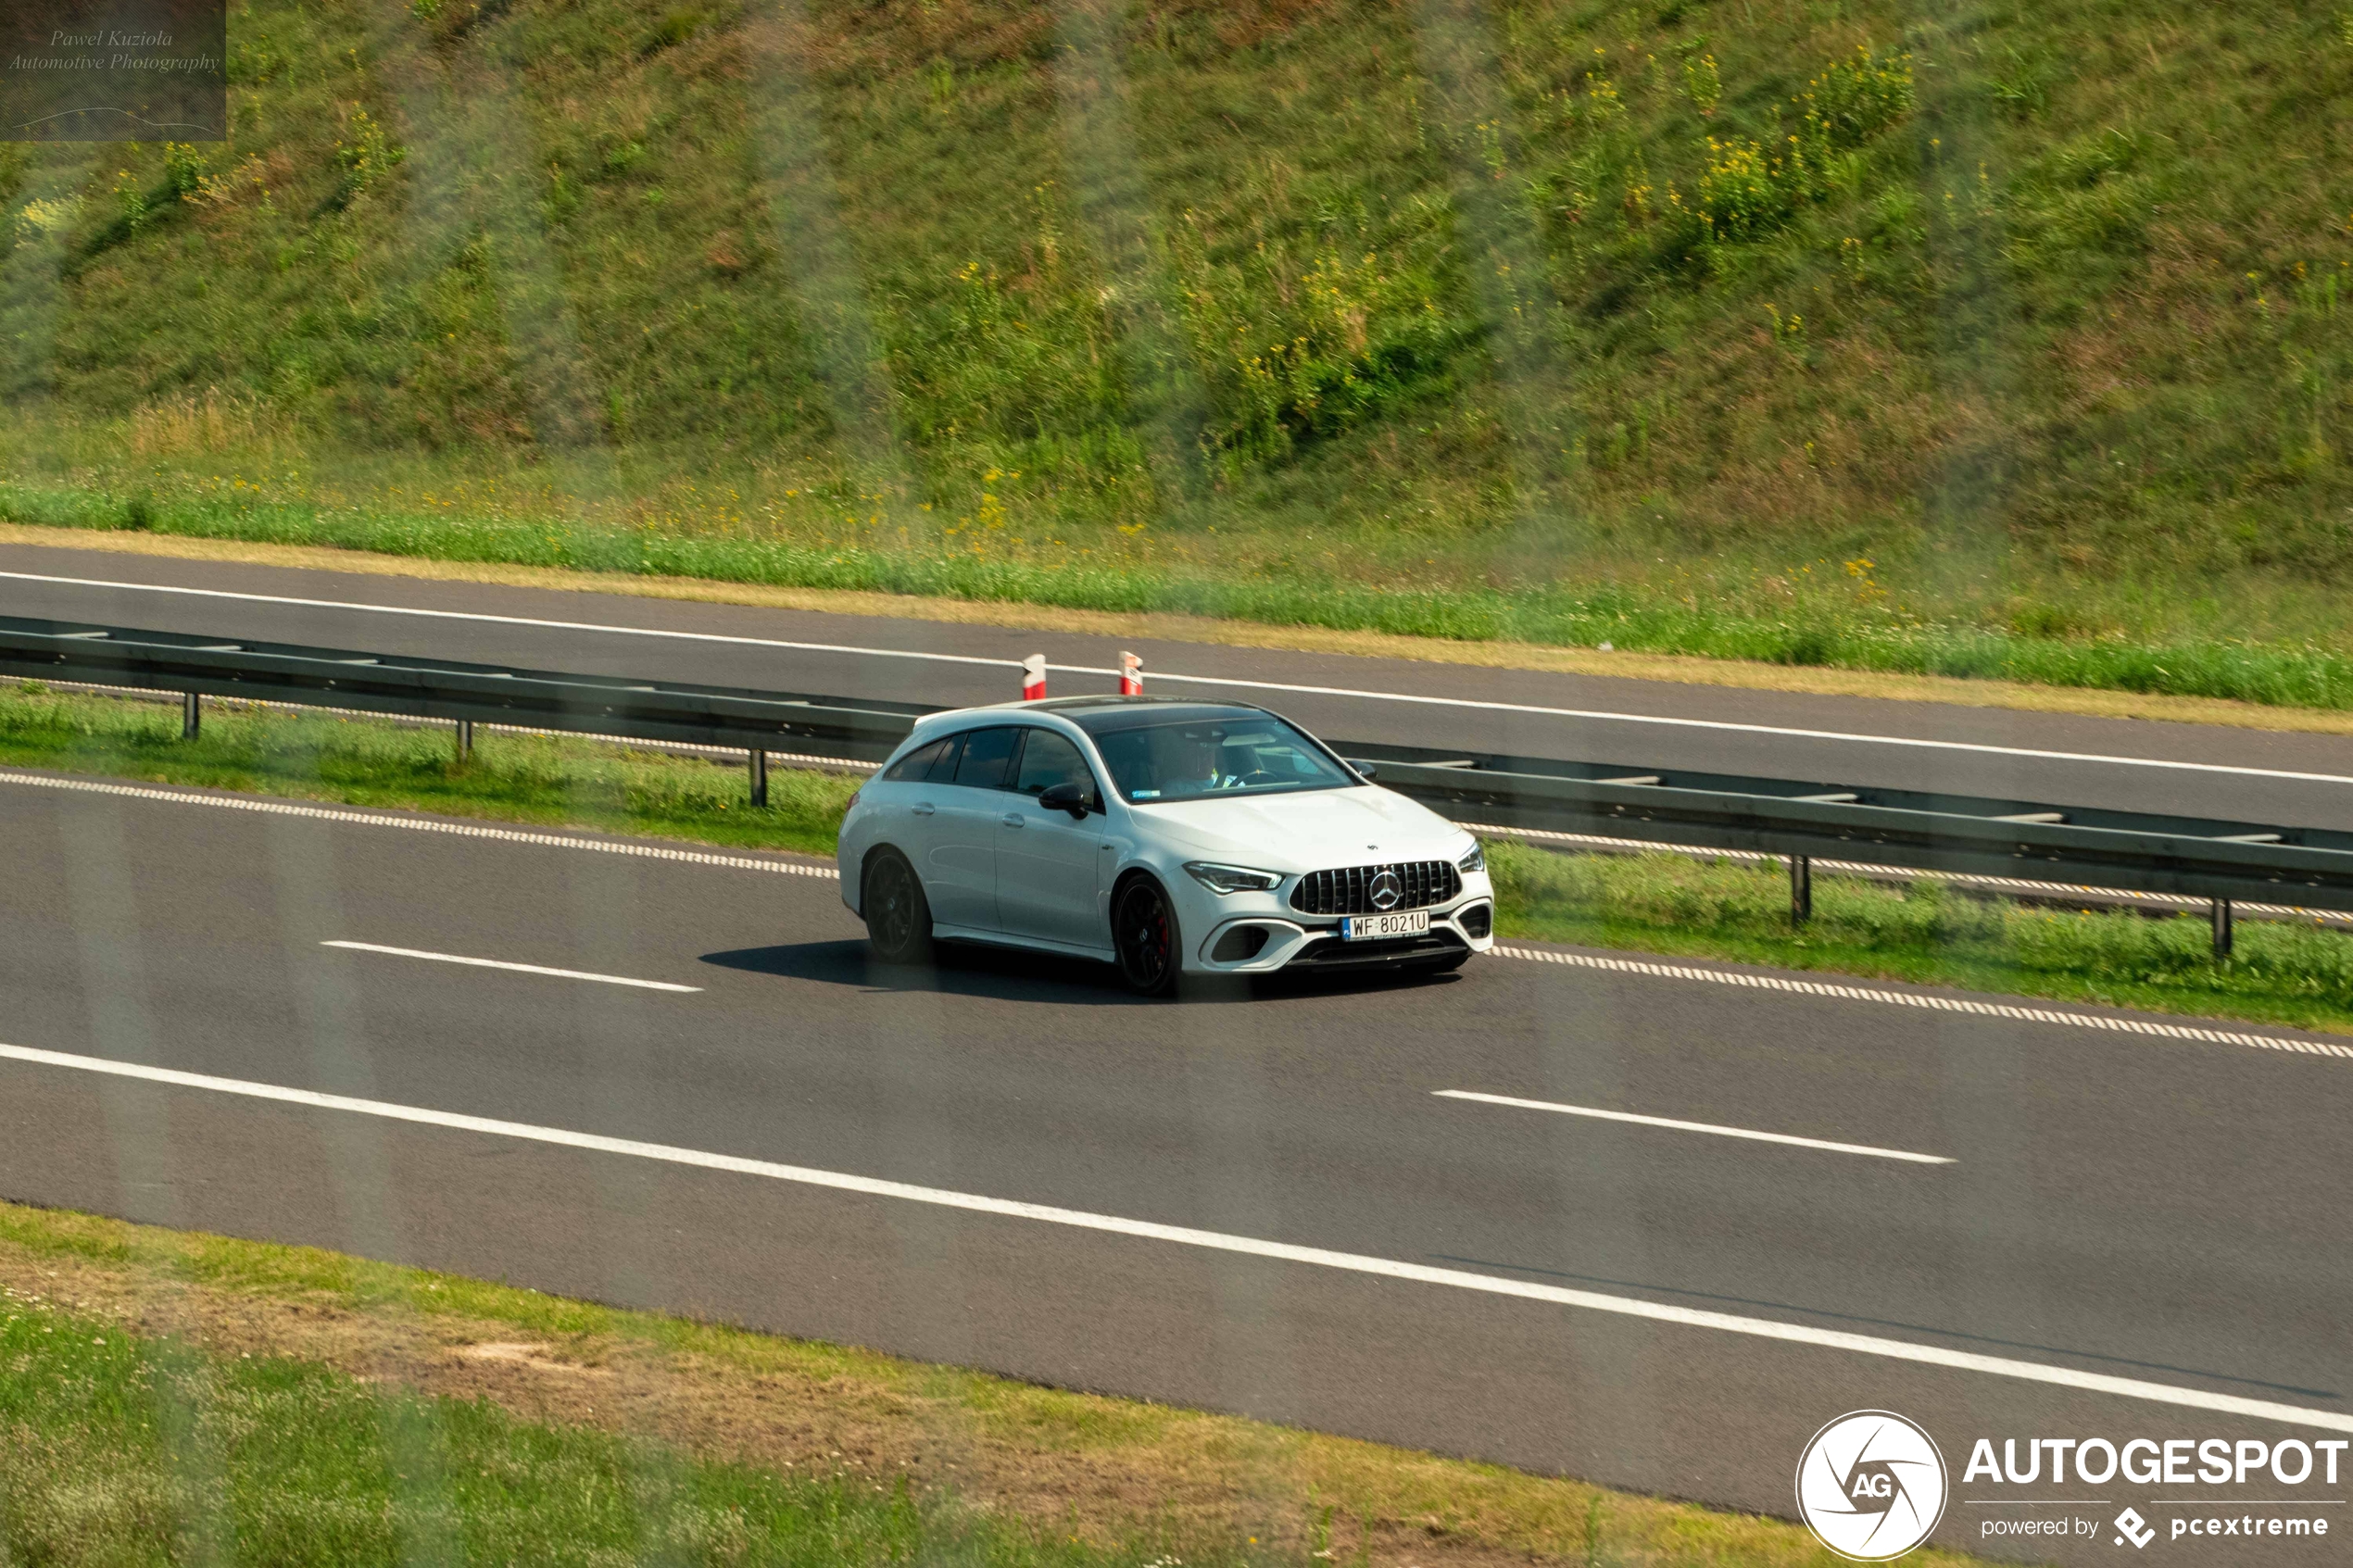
[{"x": 2035, "y": 306}]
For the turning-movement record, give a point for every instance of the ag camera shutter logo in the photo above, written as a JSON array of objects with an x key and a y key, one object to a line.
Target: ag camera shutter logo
[{"x": 1872, "y": 1486}]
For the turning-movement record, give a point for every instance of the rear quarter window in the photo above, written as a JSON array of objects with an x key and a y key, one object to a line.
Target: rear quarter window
[{"x": 917, "y": 765}]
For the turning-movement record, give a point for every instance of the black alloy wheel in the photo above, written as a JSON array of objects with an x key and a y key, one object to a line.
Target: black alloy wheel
[
  {"x": 1143, "y": 930},
  {"x": 898, "y": 915}
]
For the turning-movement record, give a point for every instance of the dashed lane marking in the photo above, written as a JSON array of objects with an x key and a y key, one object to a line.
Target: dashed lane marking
[
  {"x": 541, "y": 969},
  {"x": 1397, "y": 1269},
  {"x": 1535, "y": 955},
  {"x": 1676, "y": 1125}
]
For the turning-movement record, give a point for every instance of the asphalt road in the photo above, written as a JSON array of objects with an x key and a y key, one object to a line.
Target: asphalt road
[
  {"x": 2156, "y": 1210},
  {"x": 2188, "y": 769}
]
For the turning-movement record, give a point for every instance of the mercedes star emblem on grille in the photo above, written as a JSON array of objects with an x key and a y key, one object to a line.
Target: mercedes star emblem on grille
[{"x": 1387, "y": 889}]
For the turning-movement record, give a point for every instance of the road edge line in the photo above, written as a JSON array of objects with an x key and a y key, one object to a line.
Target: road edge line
[
  {"x": 420, "y": 825},
  {"x": 1276, "y": 1252},
  {"x": 2025, "y": 1015}
]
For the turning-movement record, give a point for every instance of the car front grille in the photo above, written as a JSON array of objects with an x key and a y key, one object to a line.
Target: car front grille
[{"x": 1349, "y": 891}]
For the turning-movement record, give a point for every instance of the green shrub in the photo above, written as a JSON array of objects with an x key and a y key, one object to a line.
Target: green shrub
[
  {"x": 131, "y": 207},
  {"x": 1855, "y": 99},
  {"x": 1018, "y": 362},
  {"x": 52, "y": 218},
  {"x": 367, "y": 153},
  {"x": 185, "y": 168},
  {"x": 1747, "y": 189},
  {"x": 1744, "y": 190},
  {"x": 1301, "y": 344}
]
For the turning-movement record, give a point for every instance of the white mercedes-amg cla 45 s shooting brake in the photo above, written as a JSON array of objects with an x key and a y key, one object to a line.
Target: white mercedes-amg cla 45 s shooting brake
[{"x": 1166, "y": 837}]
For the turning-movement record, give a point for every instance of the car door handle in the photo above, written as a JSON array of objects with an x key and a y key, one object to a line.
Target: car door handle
[
  {"x": 1013, "y": 820},
  {"x": 922, "y": 808}
]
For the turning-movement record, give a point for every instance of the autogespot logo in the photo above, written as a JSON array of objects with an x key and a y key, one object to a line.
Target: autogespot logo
[{"x": 1872, "y": 1486}]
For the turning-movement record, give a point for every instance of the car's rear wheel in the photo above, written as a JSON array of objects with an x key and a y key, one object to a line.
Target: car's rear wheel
[
  {"x": 1144, "y": 935},
  {"x": 898, "y": 915}
]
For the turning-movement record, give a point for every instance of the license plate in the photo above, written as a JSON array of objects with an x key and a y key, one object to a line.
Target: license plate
[{"x": 1373, "y": 928}]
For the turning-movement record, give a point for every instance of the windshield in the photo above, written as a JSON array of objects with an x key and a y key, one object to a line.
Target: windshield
[{"x": 1187, "y": 758}]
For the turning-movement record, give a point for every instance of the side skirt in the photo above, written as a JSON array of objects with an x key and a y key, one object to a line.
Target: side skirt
[{"x": 978, "y": 937}]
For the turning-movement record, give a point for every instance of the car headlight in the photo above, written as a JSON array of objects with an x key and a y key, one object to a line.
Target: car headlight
[
  {"x": 1474, "y": 861},
  {"x": 1221, "y": 879}
]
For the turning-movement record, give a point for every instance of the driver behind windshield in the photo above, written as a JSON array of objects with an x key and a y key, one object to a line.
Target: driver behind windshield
[
  {"x": 1202, "y": 763},
  {"x": 1186, "y": 762}
]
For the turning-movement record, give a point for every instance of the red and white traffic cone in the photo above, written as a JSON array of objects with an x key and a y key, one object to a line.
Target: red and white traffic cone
[
  {"x": 1131, "y": 675},
  {"x": 1033, "y": 677}
]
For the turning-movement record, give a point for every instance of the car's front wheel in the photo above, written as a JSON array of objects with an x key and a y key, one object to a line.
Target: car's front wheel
[
  {"x": 898, "y": 915},
  {"x": 1144, "y": 928}
]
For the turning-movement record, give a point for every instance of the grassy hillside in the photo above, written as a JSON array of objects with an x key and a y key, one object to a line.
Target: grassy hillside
[{"x": 1819, "y": 327}]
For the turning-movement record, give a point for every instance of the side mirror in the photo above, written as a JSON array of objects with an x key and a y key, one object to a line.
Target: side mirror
[
  {"x": 1074, "y": 799},
  {"x": 1364, "y": 771}
]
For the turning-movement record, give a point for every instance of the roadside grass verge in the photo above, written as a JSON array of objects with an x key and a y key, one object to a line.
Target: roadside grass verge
[
  {"x": 2279, "y": 973},
  {"x": 127, "y": 1450},
  {"x": 1662, "y": 903},
  {"x": 364, "y": 761},
  {"x": 171, "y": 1396},
  {"x": 1837, "y": 616}
]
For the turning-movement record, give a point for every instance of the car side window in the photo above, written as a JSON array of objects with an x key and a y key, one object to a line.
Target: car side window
[
  {"x": 1048, "y": 760},
  {"x": 917, "y": 766},
  {"x": 951, "y": 752},
  {"x": 987, "y": 757}
]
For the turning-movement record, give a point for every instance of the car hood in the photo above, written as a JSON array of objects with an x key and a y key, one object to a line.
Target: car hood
[{"x": 1311, "y": 831}]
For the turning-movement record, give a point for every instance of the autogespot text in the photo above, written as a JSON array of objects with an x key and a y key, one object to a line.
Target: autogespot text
[
  {"x": 2146, "y": 1463},
  {"x": 2045, "y": 1462}
]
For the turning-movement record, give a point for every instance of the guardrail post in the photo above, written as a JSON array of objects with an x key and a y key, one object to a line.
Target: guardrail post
[
  {"x": 465, "y": 740},
  {"x": 2222, "y": 914},
  {"x": 191, "y": 715},
  {"x": 1801, "y": 889},
  {"x": 758, "y": 777}
]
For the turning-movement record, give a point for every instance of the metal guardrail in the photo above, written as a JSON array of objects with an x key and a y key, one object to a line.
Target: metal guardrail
[
  {"x": 2219, "y": 861},
  {"x": 2222, "y": 862},
  {"x": 756, "y": 721}
]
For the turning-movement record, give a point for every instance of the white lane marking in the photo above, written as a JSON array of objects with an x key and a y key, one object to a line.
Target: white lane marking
[
  {"x": 539, "y": 622},
  {"x": 1930, "y": 1003},
  {"x": 1537, "y": 955},
  {"x": 1722, "y": 1132},
  {"x": 423, "y": 824},
  {"x": 1590, "y": 714},
  {"x": 1963, "y": 879},
  {"x": 1183, "y": 1236},
  {"x": 1721, "y": 724},
  {"x": 518, "y": 968}
]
